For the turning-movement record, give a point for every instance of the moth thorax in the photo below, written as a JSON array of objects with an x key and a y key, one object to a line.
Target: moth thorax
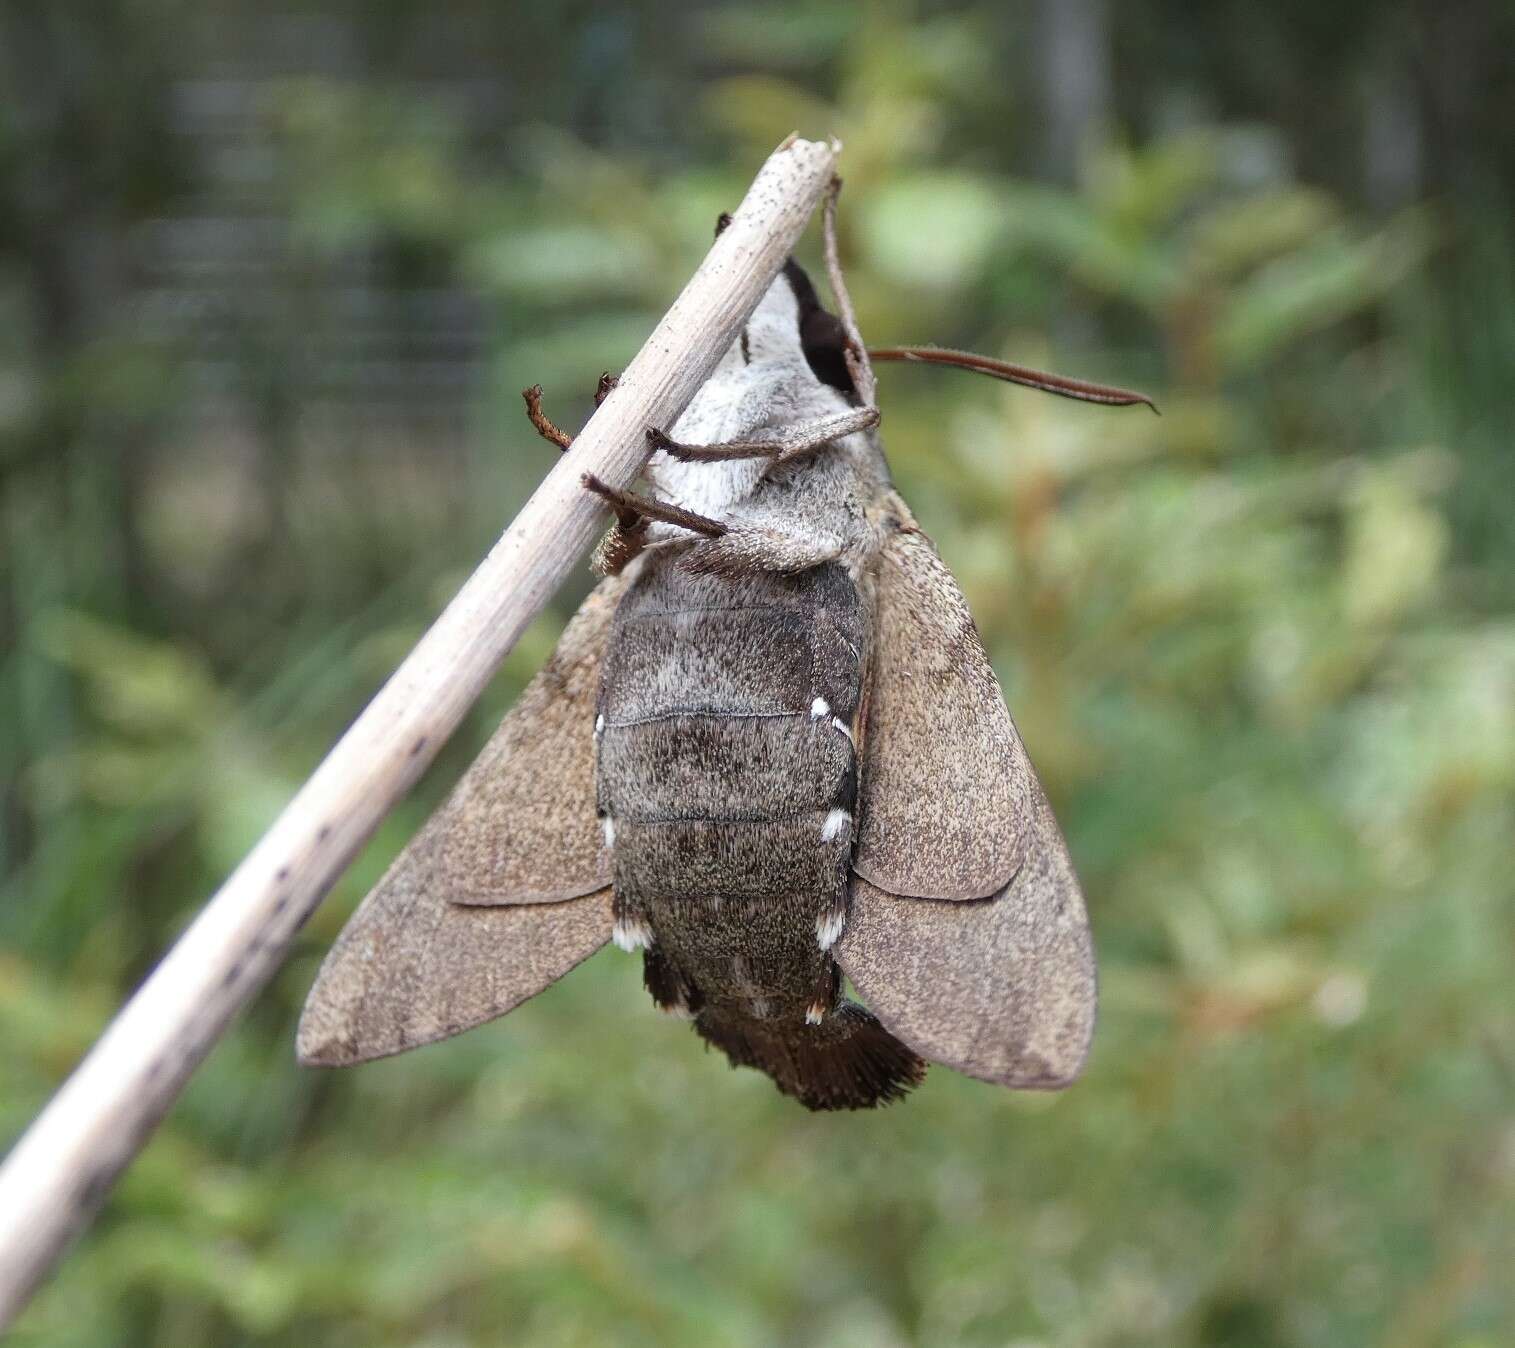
[{"x": 706, "y": 488}]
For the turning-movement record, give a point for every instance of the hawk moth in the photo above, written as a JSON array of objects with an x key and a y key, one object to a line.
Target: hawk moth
[{"x": 768, "y": 751}]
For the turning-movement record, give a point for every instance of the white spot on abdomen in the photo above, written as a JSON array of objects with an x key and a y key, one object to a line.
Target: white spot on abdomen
[
  {"x": 828, "y": 928},
  {"x": 819, "y": 708},
  {"x": 608, "y": 824},
  {"x": 836, "y": 825},
  {"x": 631, "y": 933}
]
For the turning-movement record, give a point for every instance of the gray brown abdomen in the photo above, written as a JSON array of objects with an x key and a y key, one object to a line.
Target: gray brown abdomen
[
  {"x": 725, "y": 748},
  {"x": 726, "y": 780}
]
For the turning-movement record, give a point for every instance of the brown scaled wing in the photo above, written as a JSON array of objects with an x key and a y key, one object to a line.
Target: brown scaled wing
[
  {"x": 967, "y": 935},
  {"x": 521, "y": 825},
  {"x": 504, "y": 890}
]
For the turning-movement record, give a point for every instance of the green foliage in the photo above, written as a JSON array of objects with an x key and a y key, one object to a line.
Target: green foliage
[{"x": 1261, "y": 648}]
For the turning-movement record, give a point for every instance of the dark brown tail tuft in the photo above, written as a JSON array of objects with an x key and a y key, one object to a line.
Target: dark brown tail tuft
[
  {"x": 848, "y": 1061},
  {"x": 668, "y": 986}
]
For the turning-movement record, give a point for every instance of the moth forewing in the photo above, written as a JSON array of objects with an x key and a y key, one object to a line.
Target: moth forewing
[
  {"x": 521, "y": 825},
  {"x": 503, "y": 891},
  {"x": 967, "y": 934},
  {"x": 946, "y": 786},
  {"x": 1002, "y": 989},
  {"x": 411, "y": 968}
]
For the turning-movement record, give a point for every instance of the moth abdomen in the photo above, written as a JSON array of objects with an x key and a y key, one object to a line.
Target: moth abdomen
[{"x": 727, "y": 777}]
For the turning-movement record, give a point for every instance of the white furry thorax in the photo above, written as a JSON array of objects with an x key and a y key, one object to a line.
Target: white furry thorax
[{"x": 762, "y": 381}]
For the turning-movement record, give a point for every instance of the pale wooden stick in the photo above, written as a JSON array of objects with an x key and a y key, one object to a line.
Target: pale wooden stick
[{"x": 61, "y": 1169}]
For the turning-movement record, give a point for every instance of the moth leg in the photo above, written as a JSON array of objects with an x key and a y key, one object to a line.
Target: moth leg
[
  {"x": 539, "y": 419},
  {"x": 545, "y": 426},
  {"x": 742, "y": 549},
  {"x": 627, "y": 504},
  {"x": 633, "y": 514},
  {"x": 625, "y": 539},
  {"x": 618, "y": 548},
  {"x": 780, "y": 444}
]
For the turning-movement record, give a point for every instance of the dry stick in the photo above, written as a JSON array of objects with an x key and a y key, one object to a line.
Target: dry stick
[{"x": 61, "y": 1169}]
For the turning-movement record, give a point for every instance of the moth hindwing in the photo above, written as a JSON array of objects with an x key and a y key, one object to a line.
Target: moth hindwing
[{"x": 769, "y": 750}]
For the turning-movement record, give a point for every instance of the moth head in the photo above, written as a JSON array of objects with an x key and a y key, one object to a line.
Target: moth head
[
  {"x": 791, "y": 320},
  {"x": 822, "y": 337}
]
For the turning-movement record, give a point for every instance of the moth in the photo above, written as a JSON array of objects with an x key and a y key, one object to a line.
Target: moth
[{"x": 768, "y": 752}]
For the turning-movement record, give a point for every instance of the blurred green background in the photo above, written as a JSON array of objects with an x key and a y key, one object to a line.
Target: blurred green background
[{"x": 271, "y": 278}]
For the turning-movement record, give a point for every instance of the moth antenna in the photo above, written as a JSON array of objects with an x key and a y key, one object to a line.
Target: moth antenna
[
  {"x": 1061, "y": 385},
  {"x": 856, "y": 354}
]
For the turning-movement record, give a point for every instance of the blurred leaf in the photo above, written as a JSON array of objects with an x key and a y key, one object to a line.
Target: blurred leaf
[
  {"x": 1094, "y": 249},
  {"x": 141, "y": 688},
  {"x": 1329, "y": 280},
  {"x": 932, "y": 231},
  {"x": 562, "y": 264},
  {"x": 1395, "y": 549},
  {"x": 798, "y": 36},
  {"x": 751, "y": 106},
  {"x": 1231, "y": 237}
]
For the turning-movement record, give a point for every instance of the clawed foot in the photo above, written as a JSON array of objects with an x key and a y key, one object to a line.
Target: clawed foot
[{"x": 545, "y": 426}]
